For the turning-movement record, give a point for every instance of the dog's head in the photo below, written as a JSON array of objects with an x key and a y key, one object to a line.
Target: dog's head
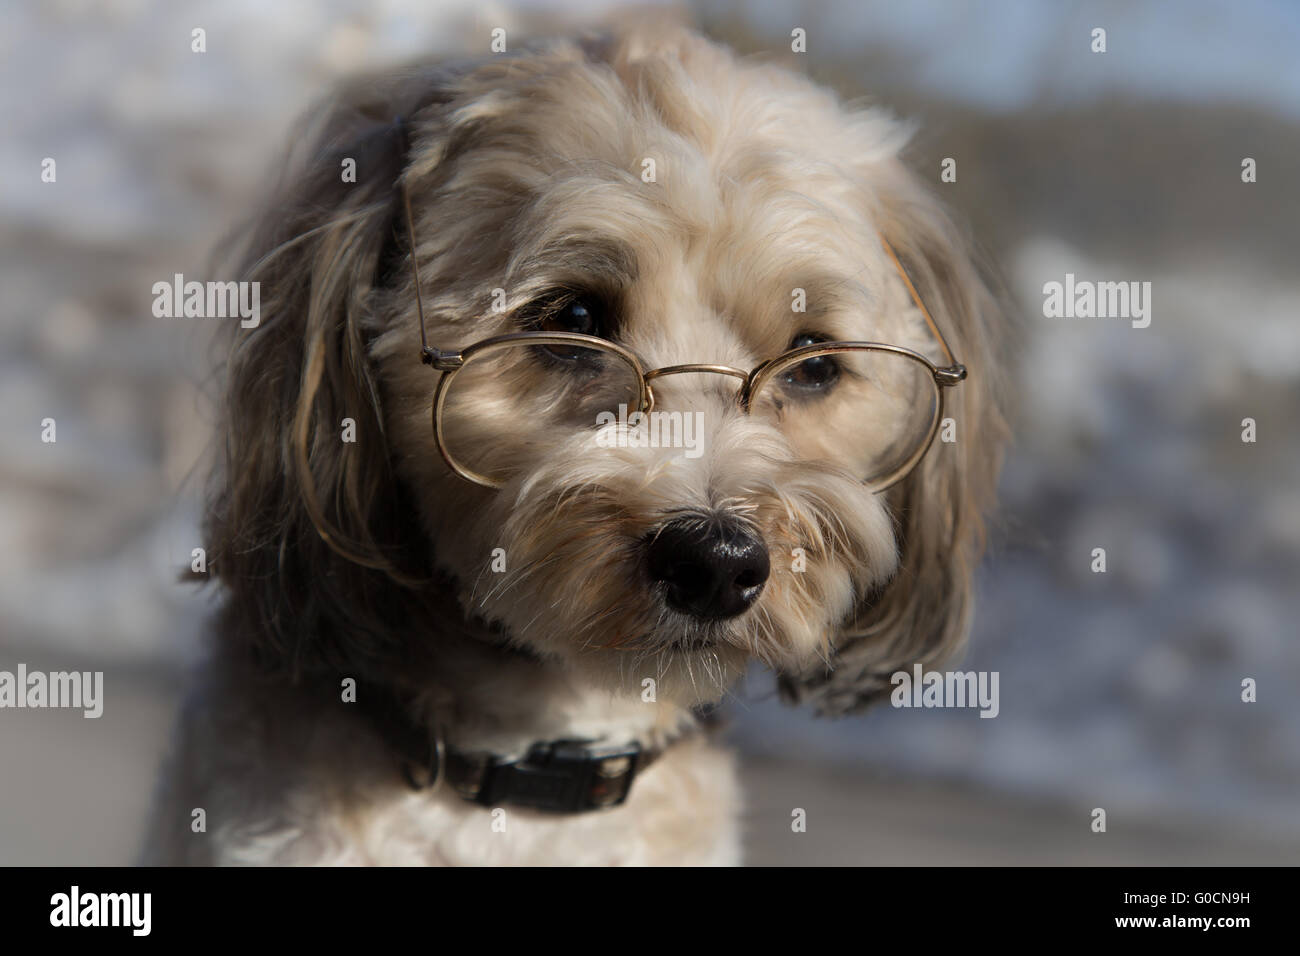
[{"x": 692, "y": 209}]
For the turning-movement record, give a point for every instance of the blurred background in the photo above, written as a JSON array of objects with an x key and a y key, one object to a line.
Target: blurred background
[{"x": 1119, "y": 690}]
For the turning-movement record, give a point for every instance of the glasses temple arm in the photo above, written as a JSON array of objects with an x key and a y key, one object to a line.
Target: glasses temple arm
[
  {"x": 426, "y": 353},
  {"x": 916, "y": 297}
]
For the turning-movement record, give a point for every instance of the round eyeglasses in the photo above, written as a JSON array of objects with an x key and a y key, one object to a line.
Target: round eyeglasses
[{"x": 866, "y": 407}]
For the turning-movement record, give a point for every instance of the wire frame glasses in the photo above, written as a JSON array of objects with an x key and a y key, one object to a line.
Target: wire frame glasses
[{"x": 866, "y": 407}]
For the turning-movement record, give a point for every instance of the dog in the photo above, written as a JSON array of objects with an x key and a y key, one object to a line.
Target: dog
[{"x": 478, "y": 601}]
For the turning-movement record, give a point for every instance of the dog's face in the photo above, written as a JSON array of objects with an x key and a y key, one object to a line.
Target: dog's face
[{"x": 692, "y": 210}]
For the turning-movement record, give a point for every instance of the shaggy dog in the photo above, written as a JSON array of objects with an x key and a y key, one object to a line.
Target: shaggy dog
[{"x": 478, "y": 602}]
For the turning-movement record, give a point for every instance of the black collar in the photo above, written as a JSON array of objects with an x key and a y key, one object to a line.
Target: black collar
[
  {"x": 559, "y": 776},
  {"x": 556, "y": 776}
]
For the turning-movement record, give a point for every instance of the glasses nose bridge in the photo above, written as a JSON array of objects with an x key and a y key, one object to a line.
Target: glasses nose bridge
[{"x": 741, "y": 375}]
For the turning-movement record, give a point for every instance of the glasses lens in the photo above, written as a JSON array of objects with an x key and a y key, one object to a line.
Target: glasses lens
[
  {"x": 869, "y": 411},
  {"x": 513, "y": 402}
]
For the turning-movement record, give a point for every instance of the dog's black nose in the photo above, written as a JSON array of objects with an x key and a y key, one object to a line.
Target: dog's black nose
[{"x": 711, "y": 569}]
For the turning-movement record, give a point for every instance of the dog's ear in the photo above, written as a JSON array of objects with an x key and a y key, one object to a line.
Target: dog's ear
[
  {"x": 922, "y": 614},
  {"x": 307, "y": 528}
]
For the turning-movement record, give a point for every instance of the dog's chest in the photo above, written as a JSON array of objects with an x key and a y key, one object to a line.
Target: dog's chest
[{"x": 285, "y": 779}]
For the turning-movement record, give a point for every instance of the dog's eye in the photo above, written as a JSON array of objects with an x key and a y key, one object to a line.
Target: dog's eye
[
  {"x": 814, "y": 373},
  {"x": 571, "y": 314},
  {"x": 577, "y": 315}
]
